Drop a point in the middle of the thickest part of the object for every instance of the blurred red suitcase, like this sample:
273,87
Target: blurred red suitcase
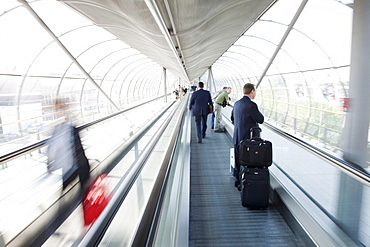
96,199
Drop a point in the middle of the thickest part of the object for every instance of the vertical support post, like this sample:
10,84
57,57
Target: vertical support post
165,84
209,82
356,127
180,89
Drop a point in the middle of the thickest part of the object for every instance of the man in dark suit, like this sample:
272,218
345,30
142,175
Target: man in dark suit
244,116
199,106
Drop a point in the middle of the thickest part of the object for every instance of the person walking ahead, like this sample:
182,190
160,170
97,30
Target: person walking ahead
199,106
221,101
244,116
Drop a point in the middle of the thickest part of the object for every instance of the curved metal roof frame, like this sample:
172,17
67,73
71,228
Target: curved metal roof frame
135,80
92,69
305,35
72,63
273,64
233,78
290,56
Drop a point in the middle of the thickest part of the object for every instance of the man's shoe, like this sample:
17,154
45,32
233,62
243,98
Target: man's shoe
212,127
236,183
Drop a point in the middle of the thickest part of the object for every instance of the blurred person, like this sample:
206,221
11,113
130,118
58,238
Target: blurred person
244,116
65,150
221,100
199,105
176,92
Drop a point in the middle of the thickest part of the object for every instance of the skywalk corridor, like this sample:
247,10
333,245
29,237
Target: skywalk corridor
117,66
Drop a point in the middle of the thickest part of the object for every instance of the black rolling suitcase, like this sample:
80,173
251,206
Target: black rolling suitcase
255,156
255,187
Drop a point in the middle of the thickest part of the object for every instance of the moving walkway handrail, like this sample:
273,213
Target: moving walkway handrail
106,164
353,170
32,147
100,226
146,232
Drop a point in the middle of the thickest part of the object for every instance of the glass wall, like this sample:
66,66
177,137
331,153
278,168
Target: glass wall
84,64
302,90
306,86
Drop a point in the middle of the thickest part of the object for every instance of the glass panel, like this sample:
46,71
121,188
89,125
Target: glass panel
282,11
329,25
7,5
51,61
51,12
21,40
307,82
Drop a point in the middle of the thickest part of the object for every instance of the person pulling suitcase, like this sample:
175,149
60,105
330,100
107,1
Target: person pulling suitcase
245,115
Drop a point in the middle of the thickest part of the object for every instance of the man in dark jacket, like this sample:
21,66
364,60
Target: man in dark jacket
199,105
244,116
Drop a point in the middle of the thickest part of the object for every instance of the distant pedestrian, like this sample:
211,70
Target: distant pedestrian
199,105
176,92
213,113
221,101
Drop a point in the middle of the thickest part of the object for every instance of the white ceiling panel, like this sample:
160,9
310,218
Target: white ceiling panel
183,36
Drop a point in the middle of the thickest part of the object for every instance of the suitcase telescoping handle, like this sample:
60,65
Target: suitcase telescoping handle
255,133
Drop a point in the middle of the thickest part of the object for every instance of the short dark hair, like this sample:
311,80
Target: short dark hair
248,88
200,84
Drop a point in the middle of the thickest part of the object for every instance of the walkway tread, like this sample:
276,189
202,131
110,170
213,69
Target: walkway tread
217,217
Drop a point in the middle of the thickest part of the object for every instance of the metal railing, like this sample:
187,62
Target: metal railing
310,180
98,166
146,225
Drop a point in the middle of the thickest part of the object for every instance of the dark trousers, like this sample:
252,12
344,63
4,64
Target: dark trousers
201,123
213,119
